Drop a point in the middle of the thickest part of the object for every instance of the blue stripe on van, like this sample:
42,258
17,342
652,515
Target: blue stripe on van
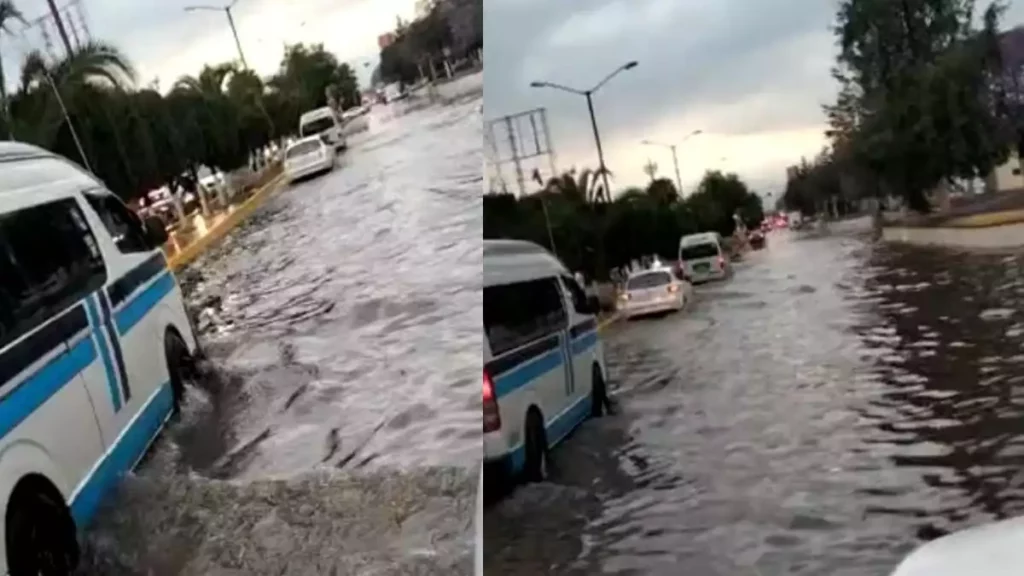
104,352
115,347
123,455
584,342
527,372
136,309
37,388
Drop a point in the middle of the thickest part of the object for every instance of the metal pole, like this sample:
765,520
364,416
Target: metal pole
238,43
679,181
67,118
60,26
600,153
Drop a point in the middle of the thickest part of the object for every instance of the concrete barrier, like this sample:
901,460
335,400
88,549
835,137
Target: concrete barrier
987,237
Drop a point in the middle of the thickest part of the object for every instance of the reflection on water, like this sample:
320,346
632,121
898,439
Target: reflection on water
832,407
338,432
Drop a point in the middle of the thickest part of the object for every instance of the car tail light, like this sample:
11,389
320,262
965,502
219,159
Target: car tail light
624,296
721,261
492,420
672,288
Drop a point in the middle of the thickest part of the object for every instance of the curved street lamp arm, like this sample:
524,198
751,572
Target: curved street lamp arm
557,87
204,7
614,73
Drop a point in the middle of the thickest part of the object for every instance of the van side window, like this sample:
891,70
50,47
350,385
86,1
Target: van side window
579,297
123,225
48,261
517,314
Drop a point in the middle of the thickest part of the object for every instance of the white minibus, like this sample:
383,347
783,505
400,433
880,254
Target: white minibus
544,368
323,122
95,351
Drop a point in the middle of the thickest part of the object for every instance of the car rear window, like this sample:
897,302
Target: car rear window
303,148
649,280
698,251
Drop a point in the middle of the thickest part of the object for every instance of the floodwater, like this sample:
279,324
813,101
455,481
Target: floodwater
831,407
338,428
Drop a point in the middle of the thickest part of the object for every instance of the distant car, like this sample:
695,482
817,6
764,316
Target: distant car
308,157
703,257
654,291
756,239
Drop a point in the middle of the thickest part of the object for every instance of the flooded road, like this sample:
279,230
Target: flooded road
830,408
338,431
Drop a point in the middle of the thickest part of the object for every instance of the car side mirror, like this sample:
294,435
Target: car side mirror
156,232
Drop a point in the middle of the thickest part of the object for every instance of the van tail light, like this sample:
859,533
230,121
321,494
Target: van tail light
721,261
672,288
492,420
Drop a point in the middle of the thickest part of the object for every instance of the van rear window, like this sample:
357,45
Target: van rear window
649,280
317,126
698,251
517,314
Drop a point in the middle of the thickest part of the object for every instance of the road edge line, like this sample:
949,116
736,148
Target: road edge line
189,253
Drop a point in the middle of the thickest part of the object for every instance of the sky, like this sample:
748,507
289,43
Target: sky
165,42
752,76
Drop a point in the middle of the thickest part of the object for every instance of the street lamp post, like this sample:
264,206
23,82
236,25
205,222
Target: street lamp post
675,157
590,108
231,22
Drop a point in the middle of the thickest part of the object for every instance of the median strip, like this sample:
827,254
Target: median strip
186,255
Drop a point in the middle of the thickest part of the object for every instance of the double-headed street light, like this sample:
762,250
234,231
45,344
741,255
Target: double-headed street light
590,107
675,159
231,21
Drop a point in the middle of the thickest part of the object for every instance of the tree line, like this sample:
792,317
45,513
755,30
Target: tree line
443,30
927,99
137,139
572,216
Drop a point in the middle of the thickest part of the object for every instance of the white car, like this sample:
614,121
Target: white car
307,157
703,258
95,350
654,291
990,550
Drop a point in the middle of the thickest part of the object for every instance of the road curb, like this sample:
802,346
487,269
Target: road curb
607,321
189,253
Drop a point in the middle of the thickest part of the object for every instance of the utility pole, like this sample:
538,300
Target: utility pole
60,26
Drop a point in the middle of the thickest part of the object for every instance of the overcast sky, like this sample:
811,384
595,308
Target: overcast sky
751,75
165,42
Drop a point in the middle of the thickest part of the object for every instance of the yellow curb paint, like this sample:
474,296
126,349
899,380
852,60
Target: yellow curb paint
189,253
608,321
987,219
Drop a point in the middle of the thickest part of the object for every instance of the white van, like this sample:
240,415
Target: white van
544,370
989,549
95,350
703,258
323,122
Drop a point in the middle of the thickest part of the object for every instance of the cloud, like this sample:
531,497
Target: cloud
164,41
751,75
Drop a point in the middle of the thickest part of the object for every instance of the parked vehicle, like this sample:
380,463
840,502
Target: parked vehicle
990,549
654,291
95,350
325,123
544,368
308,157
703,257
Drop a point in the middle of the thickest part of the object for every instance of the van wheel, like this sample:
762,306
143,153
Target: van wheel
41,536
598,394
180,366
536,468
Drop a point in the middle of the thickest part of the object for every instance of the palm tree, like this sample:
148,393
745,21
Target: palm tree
585,187
209,82
8,13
